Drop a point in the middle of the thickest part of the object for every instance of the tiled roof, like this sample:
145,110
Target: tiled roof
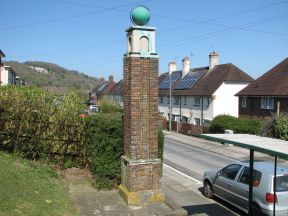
117,89
162,77
272,83
102,87
1,53
211,80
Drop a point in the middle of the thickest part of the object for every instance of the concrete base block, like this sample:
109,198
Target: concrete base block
140,197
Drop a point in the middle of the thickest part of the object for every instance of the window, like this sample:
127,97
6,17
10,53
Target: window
206,122
230,171
244,102
197,121
168,100
267,103
161,99
184,119
184,100
177,101
196,101
244,177
208,101
281,183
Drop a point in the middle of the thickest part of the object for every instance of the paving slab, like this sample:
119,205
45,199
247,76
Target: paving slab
92,202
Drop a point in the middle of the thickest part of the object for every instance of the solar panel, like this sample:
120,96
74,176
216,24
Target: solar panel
166,83
189,80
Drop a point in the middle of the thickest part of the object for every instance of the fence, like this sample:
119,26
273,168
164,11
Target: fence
36,139
185,128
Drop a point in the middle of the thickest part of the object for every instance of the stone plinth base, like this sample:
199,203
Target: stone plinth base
140,181
140,197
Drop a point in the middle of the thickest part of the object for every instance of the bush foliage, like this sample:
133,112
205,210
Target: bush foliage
281,127
38,124
104,146
107,107
223,122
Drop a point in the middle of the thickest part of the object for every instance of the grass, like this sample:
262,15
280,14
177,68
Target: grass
30,188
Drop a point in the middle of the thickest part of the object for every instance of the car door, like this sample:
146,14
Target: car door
225,180
241,187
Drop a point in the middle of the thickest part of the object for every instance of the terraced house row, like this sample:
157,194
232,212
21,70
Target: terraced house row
198,95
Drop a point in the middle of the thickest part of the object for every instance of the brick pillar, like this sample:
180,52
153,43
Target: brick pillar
141,167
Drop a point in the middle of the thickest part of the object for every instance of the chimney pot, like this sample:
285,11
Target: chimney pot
110,78
171,67
185,66
213,59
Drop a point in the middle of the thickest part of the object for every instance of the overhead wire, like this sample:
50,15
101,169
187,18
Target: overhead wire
225,31
68,17
201,37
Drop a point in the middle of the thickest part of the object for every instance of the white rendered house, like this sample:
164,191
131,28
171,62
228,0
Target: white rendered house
200,94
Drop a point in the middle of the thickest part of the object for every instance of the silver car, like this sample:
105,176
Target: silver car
231,184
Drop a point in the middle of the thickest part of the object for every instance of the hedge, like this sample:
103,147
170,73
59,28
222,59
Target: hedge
222,122
40,125
104,146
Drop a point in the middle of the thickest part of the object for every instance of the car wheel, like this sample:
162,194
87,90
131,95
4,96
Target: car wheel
208,190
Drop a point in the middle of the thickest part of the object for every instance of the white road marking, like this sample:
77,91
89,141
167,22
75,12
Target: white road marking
197,181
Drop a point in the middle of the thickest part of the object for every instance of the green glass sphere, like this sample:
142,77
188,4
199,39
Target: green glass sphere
140,15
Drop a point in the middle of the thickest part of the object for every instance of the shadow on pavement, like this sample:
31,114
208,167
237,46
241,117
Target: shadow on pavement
219,208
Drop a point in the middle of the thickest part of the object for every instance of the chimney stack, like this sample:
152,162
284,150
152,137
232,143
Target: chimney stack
110,78
171,67
185,66
213,59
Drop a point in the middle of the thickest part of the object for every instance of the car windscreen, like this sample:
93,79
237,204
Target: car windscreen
282,183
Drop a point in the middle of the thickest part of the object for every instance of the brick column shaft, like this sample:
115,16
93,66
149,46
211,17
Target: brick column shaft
141,167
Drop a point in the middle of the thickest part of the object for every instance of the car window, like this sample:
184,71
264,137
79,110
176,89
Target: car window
281,183
230,171
244,177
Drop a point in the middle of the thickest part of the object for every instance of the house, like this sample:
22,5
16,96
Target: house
200,94
266,95
2,55
116,93
101,90
7,74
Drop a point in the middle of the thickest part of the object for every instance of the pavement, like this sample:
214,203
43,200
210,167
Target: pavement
89,201
180,190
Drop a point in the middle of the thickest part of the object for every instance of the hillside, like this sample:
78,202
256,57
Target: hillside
53,77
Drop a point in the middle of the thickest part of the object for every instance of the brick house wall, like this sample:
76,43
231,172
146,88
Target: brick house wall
254,109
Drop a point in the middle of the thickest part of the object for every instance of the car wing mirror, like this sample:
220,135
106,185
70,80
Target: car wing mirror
219,173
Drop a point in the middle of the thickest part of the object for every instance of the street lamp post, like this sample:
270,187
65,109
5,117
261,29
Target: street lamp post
170,104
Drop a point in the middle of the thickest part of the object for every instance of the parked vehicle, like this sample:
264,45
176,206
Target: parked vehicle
93,108
231,184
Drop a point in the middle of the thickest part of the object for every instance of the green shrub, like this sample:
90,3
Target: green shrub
107,107
281,127
104,147
40,125
222,122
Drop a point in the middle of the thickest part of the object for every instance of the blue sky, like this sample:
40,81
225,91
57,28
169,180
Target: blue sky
89,35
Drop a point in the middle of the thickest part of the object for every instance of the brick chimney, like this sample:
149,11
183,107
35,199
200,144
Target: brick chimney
185,66
213,59
110,78
171,67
